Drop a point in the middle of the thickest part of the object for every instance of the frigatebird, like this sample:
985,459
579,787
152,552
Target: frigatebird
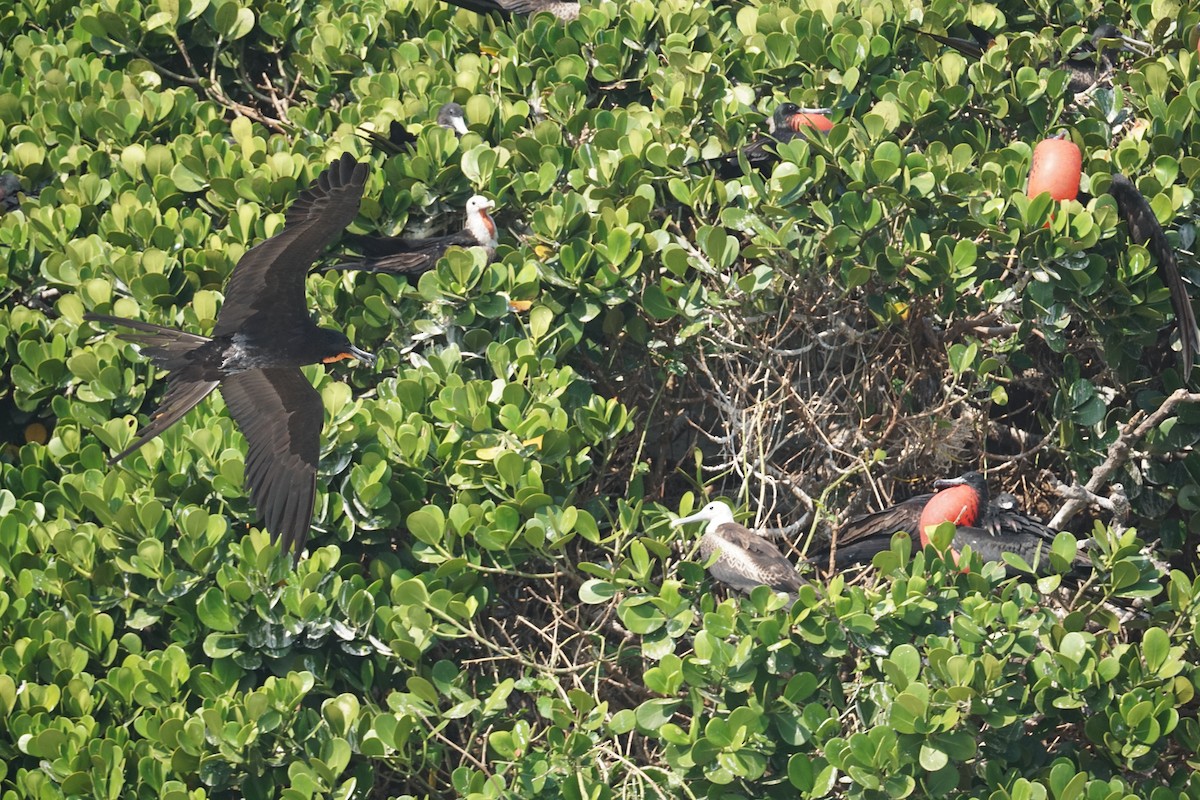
974,47
784,125
10,186
1090,62
1085,65
960,501
413,257
744,558
966,505
565,11
262,337
1145,229
450,116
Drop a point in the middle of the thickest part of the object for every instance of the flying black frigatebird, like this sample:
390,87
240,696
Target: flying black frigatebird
1145,230
744,559
262,337
966,504
450,116
565,11
784,125
413,257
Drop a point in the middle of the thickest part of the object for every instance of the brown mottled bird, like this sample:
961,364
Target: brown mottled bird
744,559
262,337
396,255
450,116
565,11
1145,230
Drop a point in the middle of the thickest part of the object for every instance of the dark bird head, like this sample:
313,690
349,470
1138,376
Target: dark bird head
781,120
333,346
453,117
1005,502
972,479
1106,35
715,514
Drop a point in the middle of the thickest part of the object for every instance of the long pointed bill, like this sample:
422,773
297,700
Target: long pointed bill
362,355
699,516
353,352
1135,45
459,125
946,483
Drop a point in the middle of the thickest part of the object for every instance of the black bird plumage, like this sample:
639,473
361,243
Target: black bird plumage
862,538
565,11
1085,65
760,153
974,47
411,258
262,337
450,116
1145,229
10,187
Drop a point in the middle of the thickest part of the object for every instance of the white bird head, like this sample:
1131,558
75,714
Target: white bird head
716,513
480,223
479,203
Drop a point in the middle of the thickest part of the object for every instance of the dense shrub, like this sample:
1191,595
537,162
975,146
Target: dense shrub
493,604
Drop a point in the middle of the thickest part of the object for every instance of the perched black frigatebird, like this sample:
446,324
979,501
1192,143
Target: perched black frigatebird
413,257
1085,65
788,121
450,116
974,47
10,187
963,501
262,337
565,11
1090,62
744,559
1145,229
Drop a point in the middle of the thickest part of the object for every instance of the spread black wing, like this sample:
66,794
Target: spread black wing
265,295
1145,230
280,414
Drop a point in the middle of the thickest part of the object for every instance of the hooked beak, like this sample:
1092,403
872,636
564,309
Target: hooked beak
488,204
353,352
697,517
459,125
1129,44
945,483
1135,45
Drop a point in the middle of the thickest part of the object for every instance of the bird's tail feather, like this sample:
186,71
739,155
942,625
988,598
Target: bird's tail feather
167,347
182,396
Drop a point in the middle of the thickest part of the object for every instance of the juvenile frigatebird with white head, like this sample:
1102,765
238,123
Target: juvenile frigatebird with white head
396,255
744,558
